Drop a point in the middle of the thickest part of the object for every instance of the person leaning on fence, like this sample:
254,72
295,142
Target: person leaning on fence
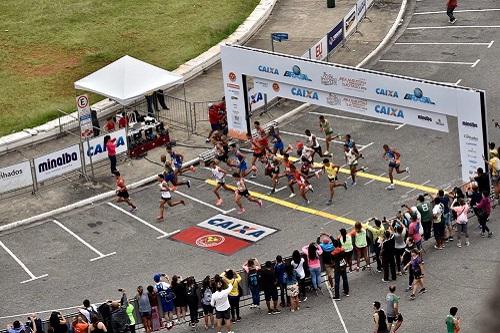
269,285
207,289
292,287
279,271
220,302
325,241
119,319
166,298
233,279
340,270
57,323
144,308
192,299
252,268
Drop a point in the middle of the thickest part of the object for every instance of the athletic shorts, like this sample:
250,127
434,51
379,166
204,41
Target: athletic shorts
165,196
207,309
169,177
223,314
271,294
243,166
178,165
438,230
353,165
417,275
258,154
216,127
123,194
318,150
391,319
329,133
221,182
393,165
146,314
332,180
243,193
278,145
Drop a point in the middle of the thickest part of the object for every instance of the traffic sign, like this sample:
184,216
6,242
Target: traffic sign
279,36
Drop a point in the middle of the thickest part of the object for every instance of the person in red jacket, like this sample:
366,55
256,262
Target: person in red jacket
214,119
450,7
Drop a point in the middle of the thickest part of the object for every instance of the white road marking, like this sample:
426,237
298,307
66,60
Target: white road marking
488,45
414,189
337,308
365,146
405,177
400,127
163,233
456,27
78,238
458,82
472,64
320,139
372,180
204,203
460,11
23,266
254,182
354,118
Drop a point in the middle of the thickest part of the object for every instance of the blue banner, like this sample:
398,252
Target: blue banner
335,36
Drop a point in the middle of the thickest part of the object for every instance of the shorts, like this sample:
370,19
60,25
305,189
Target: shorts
353,165
258,154
216,127
165,196
146,314
222,158
329,133
243,193
223,314
329,268
221,182
207,309
317,150
391,319
178,165
271,294
438,230
169,177
393,165
243,166
332,180
123,194
292,290
278,145
462,228
417,275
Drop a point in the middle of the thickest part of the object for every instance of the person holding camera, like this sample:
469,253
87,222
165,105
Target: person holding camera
233,279
119,317
221,304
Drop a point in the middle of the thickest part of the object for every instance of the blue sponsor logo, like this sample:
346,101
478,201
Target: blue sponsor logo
255,98
101,148
418,96
306,93
389,111
236,227
295,73
387,92
268,69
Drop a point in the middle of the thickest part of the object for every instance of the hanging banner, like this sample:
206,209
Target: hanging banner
335,36
350,22
57,163
83,106
360,10
97,150
15,176
318,51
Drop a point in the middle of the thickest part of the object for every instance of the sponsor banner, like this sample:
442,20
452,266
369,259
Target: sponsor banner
256,94
97,150
238,228
15,176
360,10
361,106
319,50
350,22
209,240
83,106
335,36
57,163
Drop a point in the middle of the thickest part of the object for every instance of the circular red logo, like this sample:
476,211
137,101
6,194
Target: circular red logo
210,240
276,87
232,76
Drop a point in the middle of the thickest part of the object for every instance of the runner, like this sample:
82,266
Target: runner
242,191
351,158
417,267
122,192
349,142
169,173
302,183
450,7
331,171
240,162
393,156
313,143
262,136
273,171
288,172
177,161
219,175
326,128
222,149
278,144
259,152
166,197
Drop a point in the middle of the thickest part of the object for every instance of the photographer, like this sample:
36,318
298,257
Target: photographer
119,317
57,323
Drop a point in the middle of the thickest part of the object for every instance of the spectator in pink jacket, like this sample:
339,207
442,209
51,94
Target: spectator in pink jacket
313,251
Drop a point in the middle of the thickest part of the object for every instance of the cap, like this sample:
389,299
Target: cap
157,277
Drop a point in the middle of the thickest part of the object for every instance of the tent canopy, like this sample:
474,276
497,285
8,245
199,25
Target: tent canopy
128,79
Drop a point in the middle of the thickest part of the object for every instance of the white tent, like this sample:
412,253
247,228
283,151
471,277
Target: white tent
128,79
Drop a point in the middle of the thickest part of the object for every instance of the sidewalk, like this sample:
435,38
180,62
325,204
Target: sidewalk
305,22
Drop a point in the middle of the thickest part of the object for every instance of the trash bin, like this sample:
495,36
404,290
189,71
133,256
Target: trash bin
330,3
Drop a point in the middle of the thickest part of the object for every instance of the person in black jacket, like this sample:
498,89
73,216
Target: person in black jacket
119,319
388,260
192,299
340,264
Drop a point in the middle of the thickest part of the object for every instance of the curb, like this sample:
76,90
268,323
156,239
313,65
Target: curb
150,179
188,70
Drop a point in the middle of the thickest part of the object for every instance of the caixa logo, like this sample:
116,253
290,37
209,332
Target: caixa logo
418,96
387,92
101,148
236,227
469,124
268,69
296,73
255,98
311,94
389,111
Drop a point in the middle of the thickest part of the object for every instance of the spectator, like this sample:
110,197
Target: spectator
388,250
17,327
392,310
213,118
155,313
340,264
361,244
460,213
166,298
34,324
399,245
406,258
119,319
415,230
131,317
312,252
97,326
378,236
418,273
298,265
279,270
111,149
233,279
79,324
483,211
252,267
144,309
220,302
180,300
438,224
110,125
207,290
483,181
445,201
95,123
58,323
88,310
425,210
292,287
123,120
325,241
269,285
346,242
452,321
379,319
192,300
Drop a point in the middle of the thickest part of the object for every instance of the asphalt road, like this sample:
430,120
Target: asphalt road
454,274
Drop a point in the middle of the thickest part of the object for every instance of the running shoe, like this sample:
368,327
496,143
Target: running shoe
345,185
467,243
490,234
271,192
207,140
291,195
354,184
407,169
453,21
326,152
450,239
364,168
259,203
310,187
269,312
390,187
412,297
329,202
308,202
253,175
219,202
459,244
386,281
133,210
241,211
422,291
189,184
337,298
483,235
346,294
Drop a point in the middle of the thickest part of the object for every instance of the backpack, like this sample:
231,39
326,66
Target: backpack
165,294
207,296
253,279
